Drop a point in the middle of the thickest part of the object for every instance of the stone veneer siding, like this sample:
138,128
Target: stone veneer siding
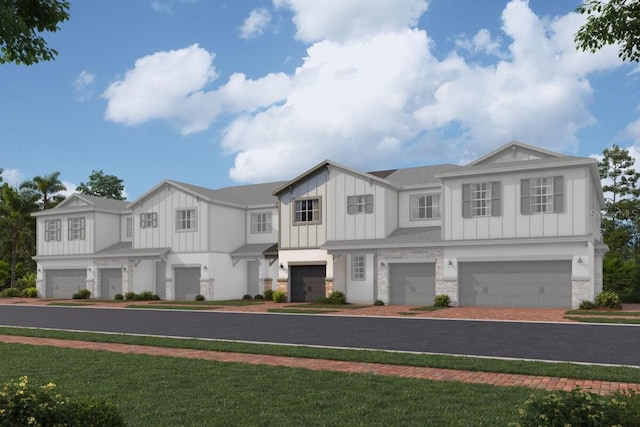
409,255
580,292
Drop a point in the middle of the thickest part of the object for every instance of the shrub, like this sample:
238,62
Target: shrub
580,408
280,296
119,297
247,296
82,294
608,299
129,296
30,292
442,300
632,297
259,296
323,300
199,297
24,404
337,297
268,294
378,302
10,292
26,281
148,296
587,305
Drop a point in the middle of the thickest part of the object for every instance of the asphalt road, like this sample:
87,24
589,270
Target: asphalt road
609,344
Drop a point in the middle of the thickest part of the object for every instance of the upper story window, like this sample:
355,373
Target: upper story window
481,199
360,204
76,228
424,206
261,222
149,220
129,231
541,195
52,230
358,267
186,220
307,211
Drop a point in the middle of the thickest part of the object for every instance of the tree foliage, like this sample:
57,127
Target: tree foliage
48,188
101,185
22,22
611,22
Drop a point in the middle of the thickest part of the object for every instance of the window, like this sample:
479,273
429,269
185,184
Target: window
149,220
186,220
129,227
360,204
481,199
541,195
76,228
358,267
425,206
307,211
52,230
261,222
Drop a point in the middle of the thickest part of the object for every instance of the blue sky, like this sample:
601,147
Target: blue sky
219,93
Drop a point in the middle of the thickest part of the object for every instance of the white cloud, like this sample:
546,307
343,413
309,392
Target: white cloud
82,85
70,188
370,91
13,177
255,23
162,7
341,20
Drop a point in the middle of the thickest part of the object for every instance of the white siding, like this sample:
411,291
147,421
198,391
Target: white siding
573,221
262,237
404,208
65,246
107,230
123,228
392,211
227,232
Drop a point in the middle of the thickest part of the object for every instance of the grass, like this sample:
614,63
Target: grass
233,303
604,313
332,306
300,310
623,374
71,304
165,391
172,307
428,308
619,320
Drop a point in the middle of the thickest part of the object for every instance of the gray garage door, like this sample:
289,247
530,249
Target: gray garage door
515,284
110,282
187,283
64,283
412,283
308,282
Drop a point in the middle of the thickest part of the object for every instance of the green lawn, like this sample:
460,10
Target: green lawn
163,391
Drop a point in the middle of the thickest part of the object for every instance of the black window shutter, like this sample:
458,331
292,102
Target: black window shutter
369,203
525,197
466,201
351,205
558,194
495,199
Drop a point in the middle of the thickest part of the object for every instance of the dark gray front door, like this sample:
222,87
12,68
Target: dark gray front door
412,283
187,281
307,282
253,278
110,282
515,284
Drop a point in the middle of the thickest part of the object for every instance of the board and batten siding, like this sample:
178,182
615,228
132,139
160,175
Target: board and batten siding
511,223
166,201
64,246
309,235
391,200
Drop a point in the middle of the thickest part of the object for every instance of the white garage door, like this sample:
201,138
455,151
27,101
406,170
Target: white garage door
187,283
515,284
110,282
64,283
412,283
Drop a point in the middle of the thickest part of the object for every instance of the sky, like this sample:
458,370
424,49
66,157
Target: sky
218,93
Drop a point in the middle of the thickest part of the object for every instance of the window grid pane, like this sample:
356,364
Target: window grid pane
307,210
425,207
261,222
541,191
52,230
186,219
358,267
149,220
76,228
481,199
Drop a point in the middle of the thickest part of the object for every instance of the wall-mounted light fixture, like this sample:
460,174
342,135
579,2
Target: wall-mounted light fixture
382,264
450,262
579,260
204,267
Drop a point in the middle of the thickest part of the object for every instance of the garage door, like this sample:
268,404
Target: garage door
110,282
187,281
64,283
308,283
515,284
412,283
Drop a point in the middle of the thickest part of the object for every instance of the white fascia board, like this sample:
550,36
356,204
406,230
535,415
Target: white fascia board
458,173
74,210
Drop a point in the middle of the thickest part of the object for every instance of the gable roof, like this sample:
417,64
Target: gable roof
419,176
86,202
515,147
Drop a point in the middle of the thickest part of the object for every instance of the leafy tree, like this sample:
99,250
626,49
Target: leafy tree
48,188
611,22
22,21
109,186
17,224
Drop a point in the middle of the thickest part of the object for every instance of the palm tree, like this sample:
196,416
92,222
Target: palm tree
16,222
47,187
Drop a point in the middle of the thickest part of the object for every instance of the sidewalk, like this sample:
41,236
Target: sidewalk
433,374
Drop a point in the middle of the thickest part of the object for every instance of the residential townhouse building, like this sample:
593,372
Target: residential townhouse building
519,227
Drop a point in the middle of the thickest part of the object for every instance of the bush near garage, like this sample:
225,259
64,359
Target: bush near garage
608,299
336,297
280,296
442,300
82,294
